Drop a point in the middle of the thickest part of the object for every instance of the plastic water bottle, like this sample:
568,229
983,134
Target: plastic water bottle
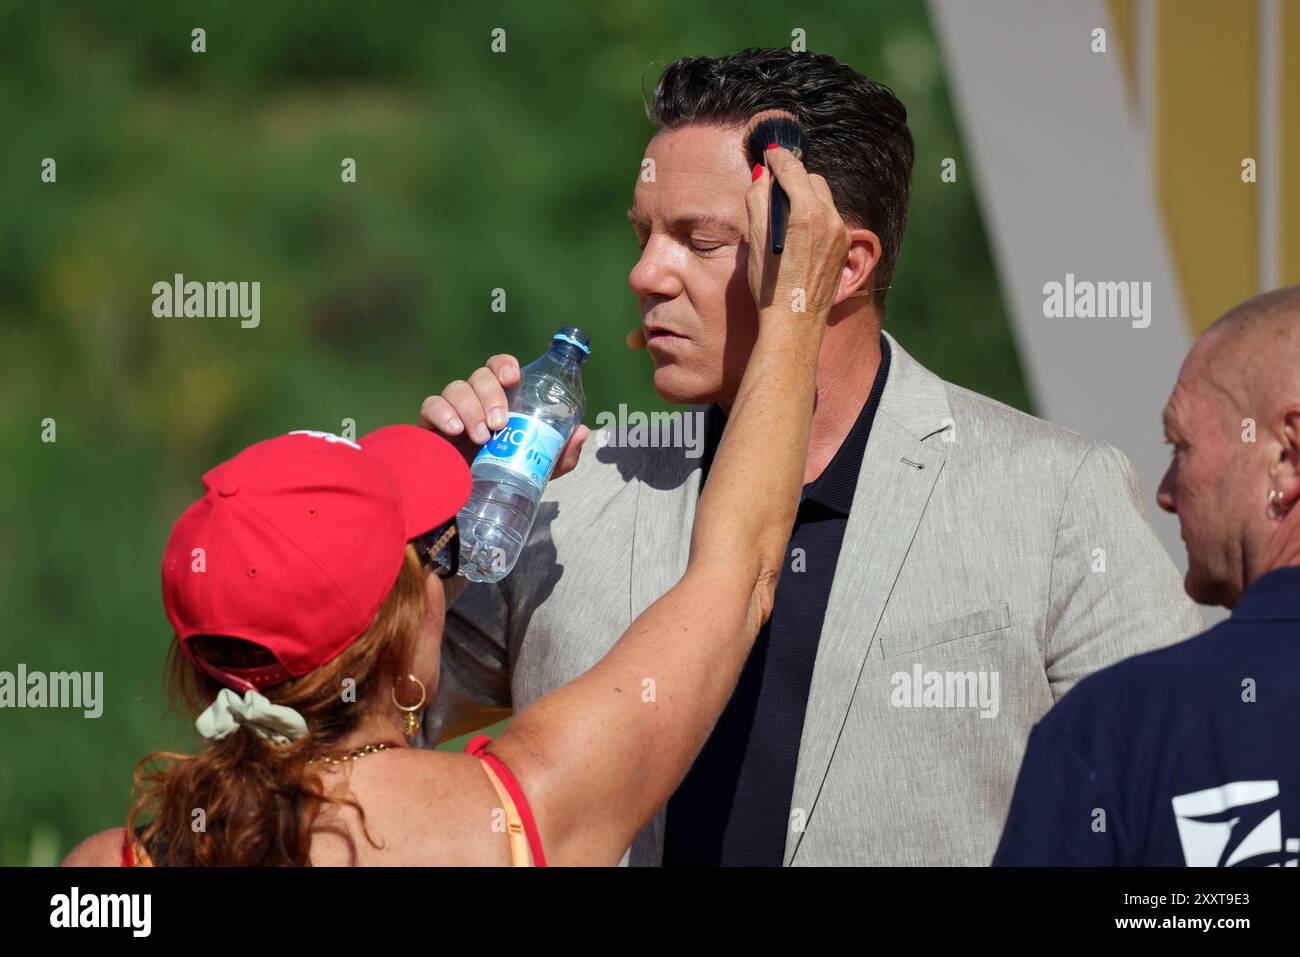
511,470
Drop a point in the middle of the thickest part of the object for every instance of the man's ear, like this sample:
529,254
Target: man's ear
860,267
451,589
1285,471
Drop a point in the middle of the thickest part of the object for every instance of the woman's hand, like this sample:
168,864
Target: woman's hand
467,412
804,281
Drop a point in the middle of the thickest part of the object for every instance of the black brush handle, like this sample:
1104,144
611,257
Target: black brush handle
780,216
781,130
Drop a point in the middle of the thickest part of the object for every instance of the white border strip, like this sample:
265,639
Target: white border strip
1147,52
1270,159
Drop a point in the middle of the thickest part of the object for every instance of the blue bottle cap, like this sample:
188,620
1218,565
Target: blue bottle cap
564,337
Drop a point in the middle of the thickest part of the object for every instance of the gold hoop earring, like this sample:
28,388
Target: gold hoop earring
410,723
1275,501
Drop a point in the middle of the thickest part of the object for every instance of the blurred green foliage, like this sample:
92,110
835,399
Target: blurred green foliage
476,170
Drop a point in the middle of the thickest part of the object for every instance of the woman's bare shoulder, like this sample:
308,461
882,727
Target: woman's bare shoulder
432,807
99,850
442,784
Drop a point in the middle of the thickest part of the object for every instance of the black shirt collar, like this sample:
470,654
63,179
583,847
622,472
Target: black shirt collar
834,488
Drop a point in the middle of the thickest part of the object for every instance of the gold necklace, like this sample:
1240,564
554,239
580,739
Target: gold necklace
352,755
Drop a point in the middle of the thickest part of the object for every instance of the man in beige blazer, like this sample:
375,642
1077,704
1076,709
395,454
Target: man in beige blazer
959,565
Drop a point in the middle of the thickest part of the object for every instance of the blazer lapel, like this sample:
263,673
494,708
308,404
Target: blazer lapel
898,474
667,494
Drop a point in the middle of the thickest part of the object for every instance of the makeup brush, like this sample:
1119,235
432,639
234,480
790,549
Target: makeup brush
781,128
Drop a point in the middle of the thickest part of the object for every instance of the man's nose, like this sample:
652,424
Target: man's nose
651,275
1165,494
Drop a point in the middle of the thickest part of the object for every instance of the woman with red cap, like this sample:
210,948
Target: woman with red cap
307,590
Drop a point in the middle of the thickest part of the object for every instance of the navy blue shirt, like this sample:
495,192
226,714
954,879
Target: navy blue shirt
734,806
1189,755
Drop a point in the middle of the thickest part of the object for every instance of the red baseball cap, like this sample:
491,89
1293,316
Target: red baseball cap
298,540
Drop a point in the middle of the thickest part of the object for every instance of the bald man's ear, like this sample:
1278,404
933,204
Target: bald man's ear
1285,471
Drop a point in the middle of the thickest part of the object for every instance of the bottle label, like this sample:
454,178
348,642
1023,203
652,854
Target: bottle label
527,446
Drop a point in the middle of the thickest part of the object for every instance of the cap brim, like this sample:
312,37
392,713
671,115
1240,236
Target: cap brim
431,474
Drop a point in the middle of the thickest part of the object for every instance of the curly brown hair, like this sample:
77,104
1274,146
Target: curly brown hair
260,802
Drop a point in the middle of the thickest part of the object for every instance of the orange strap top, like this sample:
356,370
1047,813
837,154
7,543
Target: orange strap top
521,827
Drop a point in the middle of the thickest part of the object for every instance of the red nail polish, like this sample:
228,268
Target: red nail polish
773,146
758,171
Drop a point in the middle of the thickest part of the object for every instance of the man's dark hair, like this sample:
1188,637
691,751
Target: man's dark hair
857,128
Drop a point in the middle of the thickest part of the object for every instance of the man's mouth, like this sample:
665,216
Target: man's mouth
655,332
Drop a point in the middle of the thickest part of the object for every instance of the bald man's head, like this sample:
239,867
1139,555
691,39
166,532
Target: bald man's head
1234,423
1257,347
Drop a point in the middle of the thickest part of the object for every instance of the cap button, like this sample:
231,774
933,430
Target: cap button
228,488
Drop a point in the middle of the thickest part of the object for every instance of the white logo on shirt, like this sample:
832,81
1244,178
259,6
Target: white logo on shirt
1238,823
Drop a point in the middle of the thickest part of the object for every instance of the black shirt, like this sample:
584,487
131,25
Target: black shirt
1186,756
734,806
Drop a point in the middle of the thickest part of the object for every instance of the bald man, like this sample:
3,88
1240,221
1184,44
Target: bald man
1191,754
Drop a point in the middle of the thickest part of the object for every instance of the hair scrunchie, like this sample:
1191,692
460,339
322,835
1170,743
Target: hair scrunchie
228,712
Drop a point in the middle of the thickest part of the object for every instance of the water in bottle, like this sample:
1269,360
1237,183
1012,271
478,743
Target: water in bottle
511,470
